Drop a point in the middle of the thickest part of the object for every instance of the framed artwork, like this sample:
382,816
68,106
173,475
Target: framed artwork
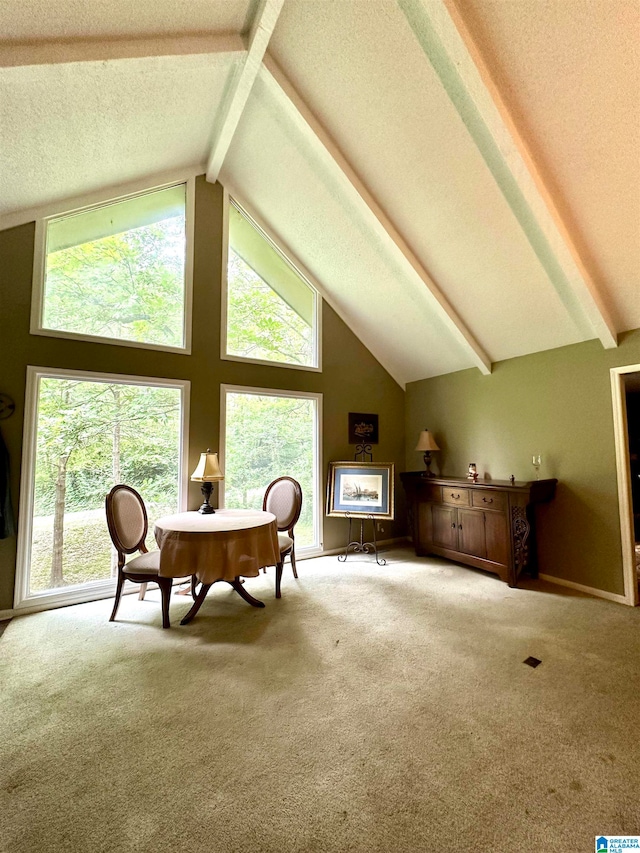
363,429
360,489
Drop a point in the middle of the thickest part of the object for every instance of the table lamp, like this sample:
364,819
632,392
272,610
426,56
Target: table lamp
207,472
427,443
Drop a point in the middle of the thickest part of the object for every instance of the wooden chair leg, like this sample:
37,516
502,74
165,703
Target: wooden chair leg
279,568
165,585
194,584
119,585
293,563
143,591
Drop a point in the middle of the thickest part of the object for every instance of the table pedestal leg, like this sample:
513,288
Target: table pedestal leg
242,592
204,589
202,594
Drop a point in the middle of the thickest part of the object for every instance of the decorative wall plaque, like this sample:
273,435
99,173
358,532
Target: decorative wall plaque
363,429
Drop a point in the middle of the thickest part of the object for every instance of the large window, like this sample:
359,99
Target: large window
271,434
84,435
116,272
271,309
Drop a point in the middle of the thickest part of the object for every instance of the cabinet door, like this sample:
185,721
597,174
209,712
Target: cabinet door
471,534
445,531
497,537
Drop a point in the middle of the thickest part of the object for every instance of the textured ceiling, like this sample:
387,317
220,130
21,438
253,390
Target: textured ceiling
351,63
27,20
570,74
94,124
313,213
567,73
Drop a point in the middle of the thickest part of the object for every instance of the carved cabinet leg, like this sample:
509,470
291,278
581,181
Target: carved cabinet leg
521,529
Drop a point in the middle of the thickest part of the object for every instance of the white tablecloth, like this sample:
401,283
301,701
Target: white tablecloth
218,546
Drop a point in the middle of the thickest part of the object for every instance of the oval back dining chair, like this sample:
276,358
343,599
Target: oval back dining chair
283,498
128,524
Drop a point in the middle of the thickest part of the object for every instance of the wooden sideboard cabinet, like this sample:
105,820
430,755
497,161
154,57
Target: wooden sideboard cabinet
486,524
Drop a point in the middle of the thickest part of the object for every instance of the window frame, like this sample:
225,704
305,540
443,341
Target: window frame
39,268
318,521
287,255
24,600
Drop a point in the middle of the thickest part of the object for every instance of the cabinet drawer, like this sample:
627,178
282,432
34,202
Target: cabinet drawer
489,500
456,497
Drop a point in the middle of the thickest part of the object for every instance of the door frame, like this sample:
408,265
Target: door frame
621,440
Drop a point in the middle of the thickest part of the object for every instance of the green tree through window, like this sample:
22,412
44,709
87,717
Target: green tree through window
269,437
118,271
128,286
90,436
271,308
261,325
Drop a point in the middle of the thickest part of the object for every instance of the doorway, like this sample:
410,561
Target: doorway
625,390
632,387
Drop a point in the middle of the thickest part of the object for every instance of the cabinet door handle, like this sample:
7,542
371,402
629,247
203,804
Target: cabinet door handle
487,500
459,527
453,524
455,497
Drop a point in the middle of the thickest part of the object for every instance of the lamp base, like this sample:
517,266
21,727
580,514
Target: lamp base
206,489
427,462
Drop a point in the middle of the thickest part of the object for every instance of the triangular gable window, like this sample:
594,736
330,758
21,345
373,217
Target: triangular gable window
271,311
116,272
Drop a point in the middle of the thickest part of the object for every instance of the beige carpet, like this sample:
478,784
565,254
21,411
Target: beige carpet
371,709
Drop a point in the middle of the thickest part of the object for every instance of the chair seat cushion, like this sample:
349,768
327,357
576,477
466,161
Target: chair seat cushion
146,563
285,543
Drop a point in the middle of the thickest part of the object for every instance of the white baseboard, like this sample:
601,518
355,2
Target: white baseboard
26,608
589,590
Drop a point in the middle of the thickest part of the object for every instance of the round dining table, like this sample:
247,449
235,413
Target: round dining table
221,546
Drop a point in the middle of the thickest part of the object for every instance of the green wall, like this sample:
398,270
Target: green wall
556,403
351,380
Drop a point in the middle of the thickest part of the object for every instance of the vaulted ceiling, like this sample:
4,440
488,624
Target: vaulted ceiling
461,180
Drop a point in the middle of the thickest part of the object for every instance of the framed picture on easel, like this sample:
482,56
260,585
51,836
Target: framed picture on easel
360,490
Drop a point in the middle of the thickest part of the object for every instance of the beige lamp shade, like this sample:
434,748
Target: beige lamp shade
426,441
207,469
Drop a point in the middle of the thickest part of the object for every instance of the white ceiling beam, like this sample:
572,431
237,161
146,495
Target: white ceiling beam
60,51
261,31
448,46
309,123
